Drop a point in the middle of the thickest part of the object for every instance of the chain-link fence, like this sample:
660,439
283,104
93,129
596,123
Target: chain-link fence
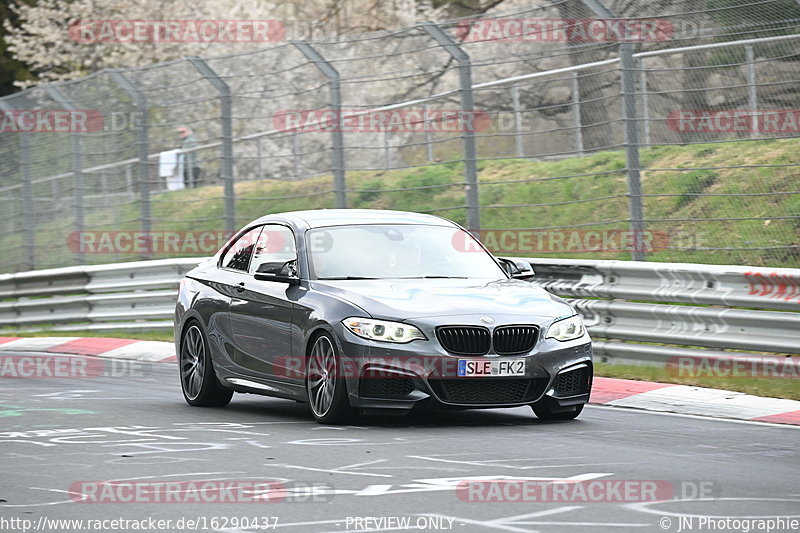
566,128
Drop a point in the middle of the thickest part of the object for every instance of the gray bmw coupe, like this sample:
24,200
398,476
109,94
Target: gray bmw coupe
374,312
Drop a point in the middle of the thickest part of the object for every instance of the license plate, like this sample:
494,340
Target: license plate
494,368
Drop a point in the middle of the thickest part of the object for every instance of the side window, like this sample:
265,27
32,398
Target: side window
275,246
238,256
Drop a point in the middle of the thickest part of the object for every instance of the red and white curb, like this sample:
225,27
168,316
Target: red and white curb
646,395
148,351
690,400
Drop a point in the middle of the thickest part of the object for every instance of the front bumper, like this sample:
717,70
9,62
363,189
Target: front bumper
404,376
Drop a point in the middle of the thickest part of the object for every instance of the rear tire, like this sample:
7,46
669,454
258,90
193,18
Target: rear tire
546,411
325,384
199,382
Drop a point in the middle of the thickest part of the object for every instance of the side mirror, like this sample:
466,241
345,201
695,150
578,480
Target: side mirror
284,272
516,268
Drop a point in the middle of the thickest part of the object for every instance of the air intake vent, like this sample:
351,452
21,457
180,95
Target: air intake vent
573,382
478,391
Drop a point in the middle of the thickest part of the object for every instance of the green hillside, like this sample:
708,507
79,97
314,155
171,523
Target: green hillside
597,182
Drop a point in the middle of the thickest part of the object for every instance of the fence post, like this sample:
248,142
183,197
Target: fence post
386,150
645,102
28,220
77,166
295,155
142,149
632,151
468,108
226,118
337,138
752,95
576,111
520,152
429,133
628,81
259,170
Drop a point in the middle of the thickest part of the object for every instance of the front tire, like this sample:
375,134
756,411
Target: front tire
325,386
199,382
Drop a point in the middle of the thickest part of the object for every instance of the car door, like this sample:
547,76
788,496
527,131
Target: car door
261,311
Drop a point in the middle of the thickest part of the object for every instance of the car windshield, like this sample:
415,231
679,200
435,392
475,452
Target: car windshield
397,251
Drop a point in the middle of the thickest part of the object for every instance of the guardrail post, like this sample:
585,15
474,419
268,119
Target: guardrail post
628,81
226,118
337,139
468,108
28,220
77,165
142,149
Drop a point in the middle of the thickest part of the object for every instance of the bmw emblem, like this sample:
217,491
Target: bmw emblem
487,320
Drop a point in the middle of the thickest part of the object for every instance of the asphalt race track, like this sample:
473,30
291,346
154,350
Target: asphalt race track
61,436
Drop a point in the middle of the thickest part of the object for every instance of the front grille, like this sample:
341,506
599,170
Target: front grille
572,382
373,385
464,340
478,391
510,340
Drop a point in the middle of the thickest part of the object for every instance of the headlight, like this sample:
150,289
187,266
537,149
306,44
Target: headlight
566,329
382,330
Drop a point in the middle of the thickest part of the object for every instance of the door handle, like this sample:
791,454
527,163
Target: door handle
239,287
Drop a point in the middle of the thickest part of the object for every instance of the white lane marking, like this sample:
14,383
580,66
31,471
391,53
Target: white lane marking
496,463
339,470
644,507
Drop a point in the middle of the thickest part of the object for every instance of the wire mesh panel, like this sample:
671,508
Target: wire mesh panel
554,128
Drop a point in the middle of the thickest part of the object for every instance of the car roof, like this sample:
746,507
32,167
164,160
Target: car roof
317,218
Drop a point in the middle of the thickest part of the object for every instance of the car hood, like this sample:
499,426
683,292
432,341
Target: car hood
401,299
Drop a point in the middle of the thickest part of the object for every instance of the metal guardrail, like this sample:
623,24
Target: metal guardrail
124,295
653,313
636,312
